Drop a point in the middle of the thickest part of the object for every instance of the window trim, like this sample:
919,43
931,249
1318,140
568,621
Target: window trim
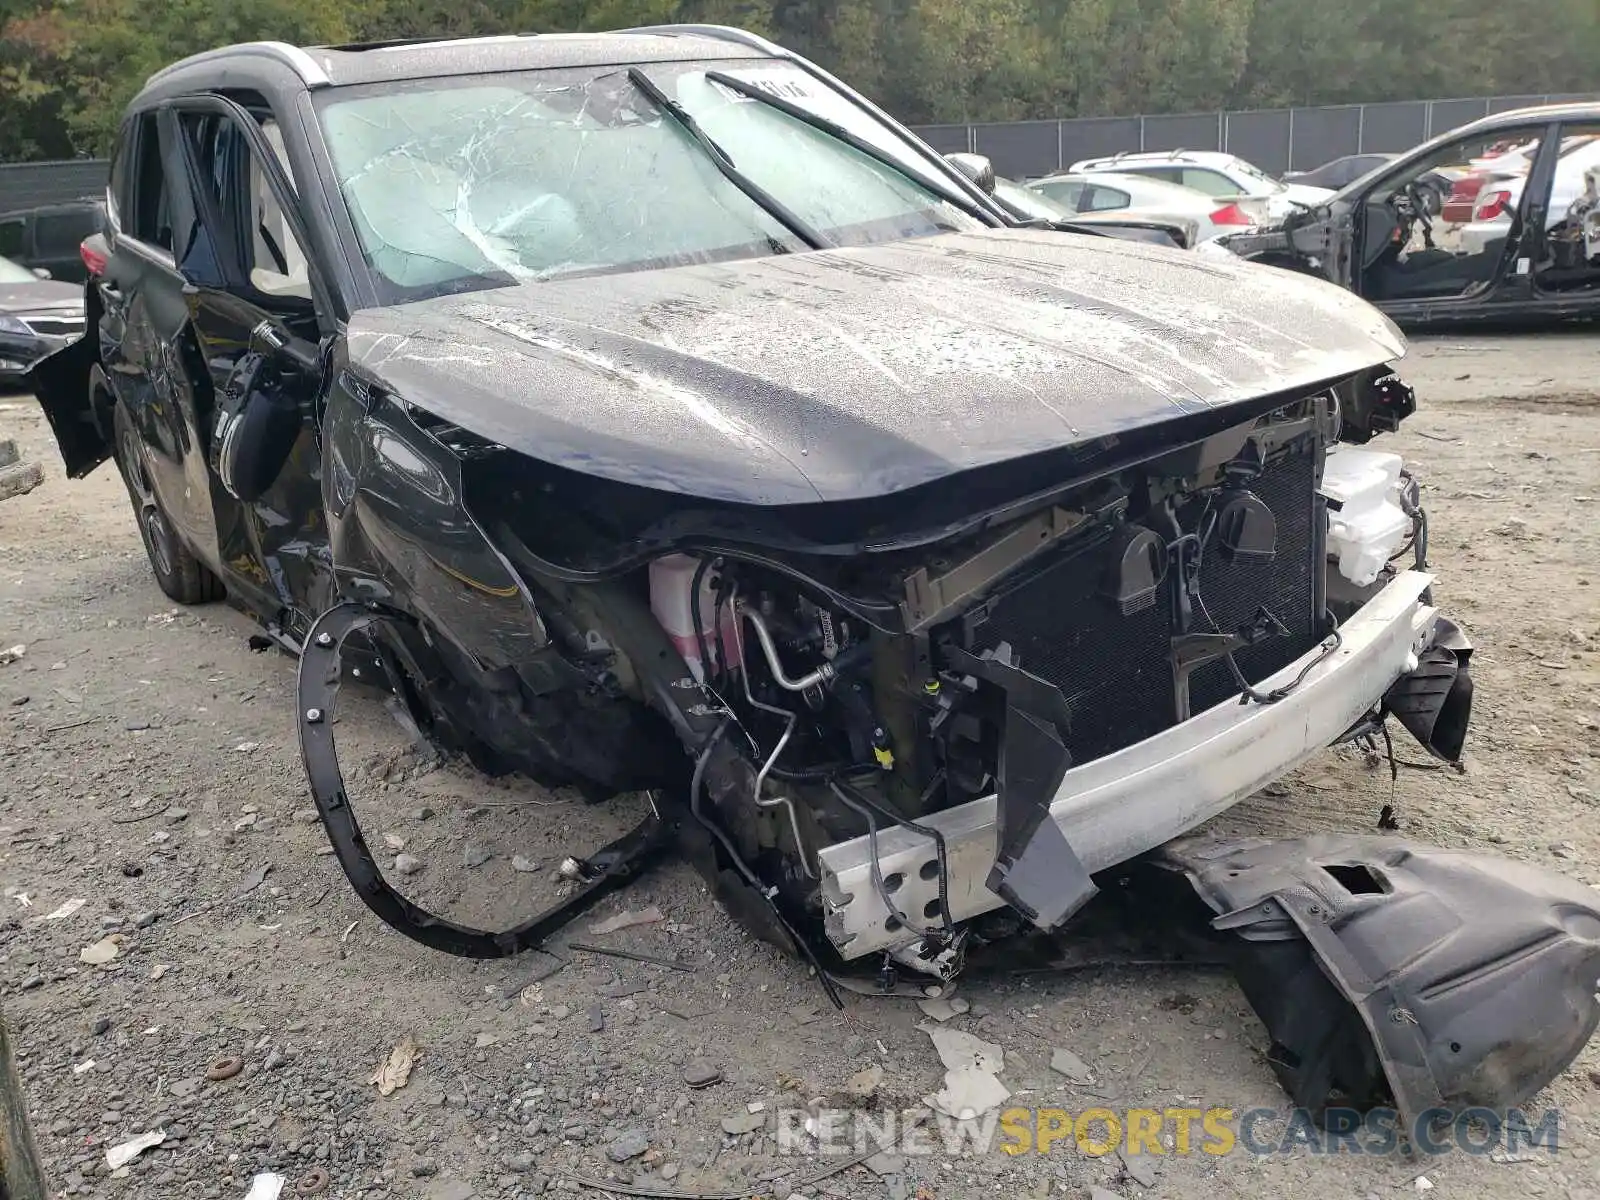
323,301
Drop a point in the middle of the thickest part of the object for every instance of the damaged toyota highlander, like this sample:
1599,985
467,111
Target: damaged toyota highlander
657,415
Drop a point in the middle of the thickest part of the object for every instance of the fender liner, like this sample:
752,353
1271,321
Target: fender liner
602,873
1382,969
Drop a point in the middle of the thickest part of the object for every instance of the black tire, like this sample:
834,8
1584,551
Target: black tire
180,574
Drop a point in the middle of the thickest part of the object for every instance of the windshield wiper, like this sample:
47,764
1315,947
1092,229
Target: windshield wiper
770,204
848,136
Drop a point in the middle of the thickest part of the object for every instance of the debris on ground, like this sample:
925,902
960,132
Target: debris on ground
393,1071
941,1009
97,954
702,1074
265,1186
123,1153
407,864
253,880
743,1122
863,1085
1065,1062
630,1144
1139,1168
11,654
627,919
225,1067
65,911
971,1073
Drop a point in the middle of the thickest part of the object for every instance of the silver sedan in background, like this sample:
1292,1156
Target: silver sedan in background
1110,191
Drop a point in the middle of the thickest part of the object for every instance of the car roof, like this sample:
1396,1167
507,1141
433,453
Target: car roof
1133,182
376,62
1581,110
1209,158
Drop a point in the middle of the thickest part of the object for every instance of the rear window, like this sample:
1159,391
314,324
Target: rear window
62,233
1100,198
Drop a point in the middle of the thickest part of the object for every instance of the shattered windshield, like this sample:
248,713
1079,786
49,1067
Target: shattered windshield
480,181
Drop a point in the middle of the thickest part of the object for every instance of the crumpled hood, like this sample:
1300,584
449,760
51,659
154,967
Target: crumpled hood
847,374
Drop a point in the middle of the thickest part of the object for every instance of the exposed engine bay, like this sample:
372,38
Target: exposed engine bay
796,698
866,754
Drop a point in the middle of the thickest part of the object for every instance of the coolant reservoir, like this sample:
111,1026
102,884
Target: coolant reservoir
671,578
1370,526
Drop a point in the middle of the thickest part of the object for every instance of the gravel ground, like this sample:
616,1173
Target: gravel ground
151,781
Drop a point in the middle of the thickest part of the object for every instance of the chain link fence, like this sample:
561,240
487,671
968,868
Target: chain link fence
1282,139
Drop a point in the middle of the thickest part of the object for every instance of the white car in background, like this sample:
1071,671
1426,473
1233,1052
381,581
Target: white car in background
1114,192
1500,197
1213,172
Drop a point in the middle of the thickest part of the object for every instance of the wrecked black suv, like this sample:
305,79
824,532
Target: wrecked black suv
655,414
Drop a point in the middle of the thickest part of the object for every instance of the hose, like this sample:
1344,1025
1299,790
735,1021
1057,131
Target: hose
927,831
766,892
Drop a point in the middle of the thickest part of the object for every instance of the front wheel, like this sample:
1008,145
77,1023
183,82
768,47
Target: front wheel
181,575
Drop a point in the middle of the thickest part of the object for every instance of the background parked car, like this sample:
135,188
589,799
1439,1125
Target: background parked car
37,317
1113,192
49,236
1212,172
1027,204
1339,172
1500,195
1516,238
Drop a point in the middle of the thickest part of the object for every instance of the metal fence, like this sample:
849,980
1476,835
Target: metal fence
25,185
1281,139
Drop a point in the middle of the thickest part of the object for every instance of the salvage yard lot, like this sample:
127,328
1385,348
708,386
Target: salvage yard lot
148,766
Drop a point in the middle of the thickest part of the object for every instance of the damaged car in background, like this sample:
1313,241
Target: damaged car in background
653,413
1498,221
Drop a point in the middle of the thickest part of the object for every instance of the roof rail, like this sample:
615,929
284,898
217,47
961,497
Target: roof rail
387,43
725,33
293,57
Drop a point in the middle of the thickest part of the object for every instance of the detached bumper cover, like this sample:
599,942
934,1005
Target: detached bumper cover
1127,803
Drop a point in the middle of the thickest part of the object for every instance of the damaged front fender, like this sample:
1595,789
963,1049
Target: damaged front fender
320,673
1390,972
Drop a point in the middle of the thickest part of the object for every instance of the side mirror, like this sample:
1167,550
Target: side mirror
41,273
975,167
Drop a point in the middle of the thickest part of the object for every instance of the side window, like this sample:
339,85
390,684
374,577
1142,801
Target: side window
1165,174
13,237
1068,193
1212,183
58,234
243,199
151,218
1100,198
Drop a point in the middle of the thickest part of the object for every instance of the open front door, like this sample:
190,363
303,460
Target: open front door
60,382
1454,225
257,308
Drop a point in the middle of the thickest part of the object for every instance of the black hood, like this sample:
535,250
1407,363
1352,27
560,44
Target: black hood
848,374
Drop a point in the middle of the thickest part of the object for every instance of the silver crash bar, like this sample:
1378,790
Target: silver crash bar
1142,796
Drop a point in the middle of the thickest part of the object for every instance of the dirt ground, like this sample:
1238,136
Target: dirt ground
148,768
